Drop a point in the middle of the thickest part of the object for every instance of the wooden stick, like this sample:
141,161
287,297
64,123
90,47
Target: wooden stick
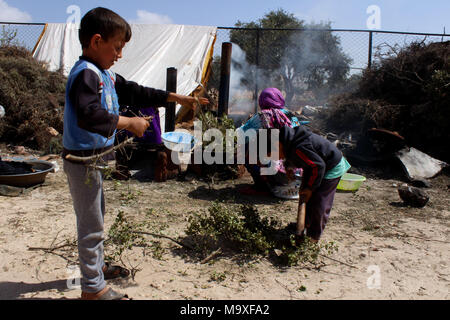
212,256
301,214
51,249
421,238
98,156
165,237
349,265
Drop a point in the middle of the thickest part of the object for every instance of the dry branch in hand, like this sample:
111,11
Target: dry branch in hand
98,156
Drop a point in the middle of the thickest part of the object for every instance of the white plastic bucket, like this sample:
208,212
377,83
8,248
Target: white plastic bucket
179,141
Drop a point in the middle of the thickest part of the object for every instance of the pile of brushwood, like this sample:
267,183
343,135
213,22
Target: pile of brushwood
408,91
33,98
243,232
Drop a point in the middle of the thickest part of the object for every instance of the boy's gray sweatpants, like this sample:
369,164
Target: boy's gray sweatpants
86,188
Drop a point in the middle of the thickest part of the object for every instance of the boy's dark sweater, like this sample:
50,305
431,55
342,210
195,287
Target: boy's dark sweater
92,117
307,150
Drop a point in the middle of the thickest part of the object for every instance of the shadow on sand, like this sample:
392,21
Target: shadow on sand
15,290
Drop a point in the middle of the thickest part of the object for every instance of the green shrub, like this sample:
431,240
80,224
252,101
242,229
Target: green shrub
243,231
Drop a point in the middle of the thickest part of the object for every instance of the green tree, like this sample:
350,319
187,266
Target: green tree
300,57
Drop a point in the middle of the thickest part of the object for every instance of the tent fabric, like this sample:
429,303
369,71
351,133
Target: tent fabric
151,50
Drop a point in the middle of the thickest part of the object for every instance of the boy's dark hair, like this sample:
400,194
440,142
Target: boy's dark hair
104,22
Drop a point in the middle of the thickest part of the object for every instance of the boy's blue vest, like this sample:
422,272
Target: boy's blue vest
74,137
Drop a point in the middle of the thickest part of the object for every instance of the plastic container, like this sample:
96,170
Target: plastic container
179,141
350,182
290,191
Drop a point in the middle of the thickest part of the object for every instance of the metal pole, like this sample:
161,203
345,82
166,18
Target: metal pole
369,65
225,67
258,31
171,86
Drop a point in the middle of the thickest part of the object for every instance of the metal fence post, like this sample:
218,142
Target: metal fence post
171,86
224,89
369,64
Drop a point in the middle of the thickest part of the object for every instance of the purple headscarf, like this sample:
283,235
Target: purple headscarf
271,98
271,101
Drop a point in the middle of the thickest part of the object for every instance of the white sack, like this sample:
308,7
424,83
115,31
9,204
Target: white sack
419,165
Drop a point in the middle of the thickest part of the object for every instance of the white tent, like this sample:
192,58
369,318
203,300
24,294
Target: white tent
151,50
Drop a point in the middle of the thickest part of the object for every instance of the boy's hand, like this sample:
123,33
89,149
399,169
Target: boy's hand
138,126
305,194
135,125
187,101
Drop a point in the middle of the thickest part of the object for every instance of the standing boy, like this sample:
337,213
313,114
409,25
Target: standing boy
323,166
94,95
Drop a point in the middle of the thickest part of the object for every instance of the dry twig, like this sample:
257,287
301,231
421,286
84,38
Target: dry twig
165,237
335,260
98,156
212,256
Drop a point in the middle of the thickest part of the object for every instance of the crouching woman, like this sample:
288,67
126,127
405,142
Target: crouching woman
323,166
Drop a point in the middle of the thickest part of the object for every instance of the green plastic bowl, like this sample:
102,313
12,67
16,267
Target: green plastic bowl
350,182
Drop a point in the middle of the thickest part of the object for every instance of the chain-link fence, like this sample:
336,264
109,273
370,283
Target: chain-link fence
23,34
361,46
386,42
301,58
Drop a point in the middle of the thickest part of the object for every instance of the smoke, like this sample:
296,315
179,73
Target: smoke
244,78
302,53
310,64
313,66
241,97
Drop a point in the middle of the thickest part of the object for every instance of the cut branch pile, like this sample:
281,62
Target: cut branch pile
33,98
407,91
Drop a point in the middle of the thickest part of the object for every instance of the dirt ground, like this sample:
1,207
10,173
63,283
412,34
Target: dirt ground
386,250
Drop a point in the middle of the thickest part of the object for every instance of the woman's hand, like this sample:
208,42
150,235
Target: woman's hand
290,174
305,194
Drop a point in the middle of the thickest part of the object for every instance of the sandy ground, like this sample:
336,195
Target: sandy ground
385,250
